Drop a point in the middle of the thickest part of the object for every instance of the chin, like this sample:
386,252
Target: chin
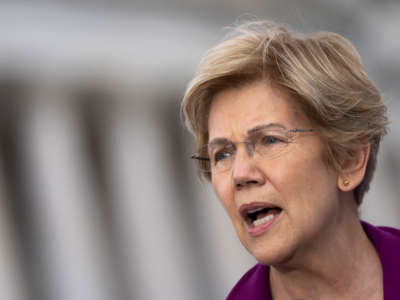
269,257
270,254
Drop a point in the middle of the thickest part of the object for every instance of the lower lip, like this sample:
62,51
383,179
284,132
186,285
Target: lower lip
255,231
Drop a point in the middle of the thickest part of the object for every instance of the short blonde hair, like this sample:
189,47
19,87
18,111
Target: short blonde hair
322,71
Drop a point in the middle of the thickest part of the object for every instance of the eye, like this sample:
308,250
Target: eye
222,154
267,140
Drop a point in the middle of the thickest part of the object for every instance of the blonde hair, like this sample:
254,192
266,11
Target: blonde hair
322,71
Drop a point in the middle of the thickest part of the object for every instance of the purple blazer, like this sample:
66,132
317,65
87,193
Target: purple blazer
254,284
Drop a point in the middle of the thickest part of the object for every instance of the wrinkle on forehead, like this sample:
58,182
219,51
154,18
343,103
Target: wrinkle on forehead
235,111
250,132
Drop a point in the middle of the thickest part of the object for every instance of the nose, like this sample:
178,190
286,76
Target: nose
245,170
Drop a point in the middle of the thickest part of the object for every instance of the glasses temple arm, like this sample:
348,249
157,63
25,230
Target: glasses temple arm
196,156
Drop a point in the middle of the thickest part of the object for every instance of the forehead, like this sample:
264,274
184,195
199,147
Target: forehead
235,111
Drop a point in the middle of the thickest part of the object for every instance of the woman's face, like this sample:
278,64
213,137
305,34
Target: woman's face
280,206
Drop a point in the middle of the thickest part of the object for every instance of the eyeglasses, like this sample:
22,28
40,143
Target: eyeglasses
261,143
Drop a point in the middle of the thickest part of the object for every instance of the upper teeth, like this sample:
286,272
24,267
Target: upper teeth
254,210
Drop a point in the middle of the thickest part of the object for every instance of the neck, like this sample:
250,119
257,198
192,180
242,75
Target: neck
341,264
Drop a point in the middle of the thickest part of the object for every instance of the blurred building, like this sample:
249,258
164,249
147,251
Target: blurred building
98,197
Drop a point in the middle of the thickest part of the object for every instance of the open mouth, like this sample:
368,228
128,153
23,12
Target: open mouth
258,214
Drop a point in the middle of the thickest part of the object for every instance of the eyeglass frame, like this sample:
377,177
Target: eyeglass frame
198,157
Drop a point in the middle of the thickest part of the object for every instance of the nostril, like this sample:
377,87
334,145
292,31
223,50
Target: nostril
252,182
238,185
242,183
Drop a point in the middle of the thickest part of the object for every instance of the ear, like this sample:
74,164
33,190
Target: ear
353,169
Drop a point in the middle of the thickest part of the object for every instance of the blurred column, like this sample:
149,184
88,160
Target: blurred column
70,247
155,245
11,278
15,281
228,259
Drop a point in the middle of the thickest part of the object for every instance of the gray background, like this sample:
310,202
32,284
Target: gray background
98,197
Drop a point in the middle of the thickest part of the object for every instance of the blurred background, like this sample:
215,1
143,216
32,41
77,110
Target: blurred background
98,197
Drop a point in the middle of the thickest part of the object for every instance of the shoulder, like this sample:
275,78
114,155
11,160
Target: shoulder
391,233
382,237
387,244
254,285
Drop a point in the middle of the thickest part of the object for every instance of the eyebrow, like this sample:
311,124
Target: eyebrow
264,126
219,140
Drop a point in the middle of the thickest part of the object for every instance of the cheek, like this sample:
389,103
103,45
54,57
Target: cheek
304,179
310,195
224,193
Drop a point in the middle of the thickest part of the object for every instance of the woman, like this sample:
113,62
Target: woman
288,129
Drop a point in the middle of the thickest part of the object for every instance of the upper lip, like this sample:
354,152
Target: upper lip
245,208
